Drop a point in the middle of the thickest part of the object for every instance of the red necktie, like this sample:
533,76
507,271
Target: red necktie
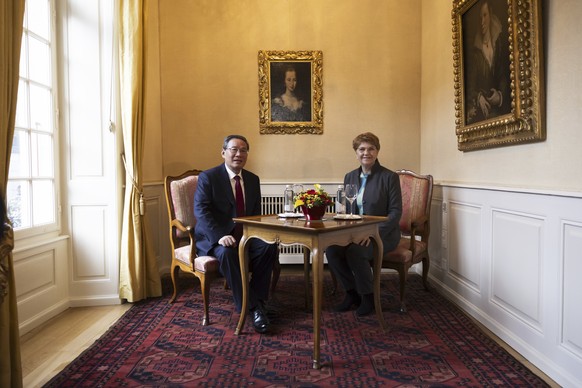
240,199
240,207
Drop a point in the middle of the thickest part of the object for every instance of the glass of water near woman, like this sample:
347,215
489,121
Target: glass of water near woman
351,195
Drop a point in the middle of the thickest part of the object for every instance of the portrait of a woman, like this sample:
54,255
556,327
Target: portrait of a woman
290,101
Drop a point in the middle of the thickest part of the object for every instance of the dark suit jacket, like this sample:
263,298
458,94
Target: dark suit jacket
382,197
215,206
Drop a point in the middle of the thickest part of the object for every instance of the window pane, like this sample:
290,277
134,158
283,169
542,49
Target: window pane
40,109
43,202
39,17
18,198
39,61
42,155
24,56
22,105
19,158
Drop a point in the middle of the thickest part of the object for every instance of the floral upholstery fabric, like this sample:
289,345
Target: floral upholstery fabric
182,192
414,200
201,263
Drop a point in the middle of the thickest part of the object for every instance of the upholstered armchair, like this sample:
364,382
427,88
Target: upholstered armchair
180,201
414,227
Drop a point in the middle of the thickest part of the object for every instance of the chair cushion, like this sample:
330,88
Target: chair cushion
206,264
201,263
420,248
182,192
402,253
399,255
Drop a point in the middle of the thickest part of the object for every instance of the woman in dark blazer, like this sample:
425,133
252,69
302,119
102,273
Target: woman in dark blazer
379,195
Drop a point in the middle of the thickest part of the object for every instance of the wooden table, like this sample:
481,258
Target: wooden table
315,236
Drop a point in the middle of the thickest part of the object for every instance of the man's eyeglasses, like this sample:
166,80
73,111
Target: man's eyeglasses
234,150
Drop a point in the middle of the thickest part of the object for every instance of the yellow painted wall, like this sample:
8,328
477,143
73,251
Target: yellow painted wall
203,83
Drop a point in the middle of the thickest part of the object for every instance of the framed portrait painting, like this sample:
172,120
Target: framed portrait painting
498,73
290,92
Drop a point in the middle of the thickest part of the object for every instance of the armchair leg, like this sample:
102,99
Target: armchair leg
205,290
425,267
403,274
173,273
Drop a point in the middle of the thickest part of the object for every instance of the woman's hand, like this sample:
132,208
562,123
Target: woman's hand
364,242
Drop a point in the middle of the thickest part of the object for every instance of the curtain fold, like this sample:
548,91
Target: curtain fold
139,275
11,20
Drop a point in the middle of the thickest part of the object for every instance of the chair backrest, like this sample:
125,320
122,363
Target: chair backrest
180,202
416,198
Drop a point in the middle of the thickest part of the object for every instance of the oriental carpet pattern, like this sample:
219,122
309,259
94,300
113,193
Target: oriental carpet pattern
157,344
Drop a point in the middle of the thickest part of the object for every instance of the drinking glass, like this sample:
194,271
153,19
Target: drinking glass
351,195
297,188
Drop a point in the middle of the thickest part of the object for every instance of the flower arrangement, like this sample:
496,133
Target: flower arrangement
312,198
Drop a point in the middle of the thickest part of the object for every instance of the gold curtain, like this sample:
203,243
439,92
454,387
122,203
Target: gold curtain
139,275
11,18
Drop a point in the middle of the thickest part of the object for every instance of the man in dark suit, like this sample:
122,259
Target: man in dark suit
217,235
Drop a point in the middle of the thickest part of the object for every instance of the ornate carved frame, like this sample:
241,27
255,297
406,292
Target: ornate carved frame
266,124
526,121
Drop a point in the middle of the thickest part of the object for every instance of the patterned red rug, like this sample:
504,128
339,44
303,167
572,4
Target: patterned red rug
156,344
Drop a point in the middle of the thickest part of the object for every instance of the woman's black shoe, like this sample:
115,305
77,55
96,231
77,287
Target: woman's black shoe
352,298
367,305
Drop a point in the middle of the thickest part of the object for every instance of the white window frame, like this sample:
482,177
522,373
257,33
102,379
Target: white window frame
50,229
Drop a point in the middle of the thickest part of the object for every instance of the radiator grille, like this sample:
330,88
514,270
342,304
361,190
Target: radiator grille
273,204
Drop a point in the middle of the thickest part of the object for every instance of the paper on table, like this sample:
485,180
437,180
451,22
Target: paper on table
290,215
347,217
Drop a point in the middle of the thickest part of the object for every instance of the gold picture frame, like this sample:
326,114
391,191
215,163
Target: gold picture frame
501,104
290,92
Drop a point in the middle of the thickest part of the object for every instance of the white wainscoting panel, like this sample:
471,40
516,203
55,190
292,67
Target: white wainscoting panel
517,251
464,243
41,278
512,259
571,336
89,245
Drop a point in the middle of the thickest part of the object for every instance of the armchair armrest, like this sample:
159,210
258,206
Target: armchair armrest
180,226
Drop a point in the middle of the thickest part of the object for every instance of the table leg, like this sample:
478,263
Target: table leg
378,253
317,266
306,269
244,272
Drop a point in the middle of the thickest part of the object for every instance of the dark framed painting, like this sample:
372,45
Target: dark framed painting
498,73
290,92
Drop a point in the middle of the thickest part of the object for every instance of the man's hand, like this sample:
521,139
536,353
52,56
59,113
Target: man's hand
227,241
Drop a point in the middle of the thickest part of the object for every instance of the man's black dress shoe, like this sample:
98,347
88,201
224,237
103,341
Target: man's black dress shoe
260,320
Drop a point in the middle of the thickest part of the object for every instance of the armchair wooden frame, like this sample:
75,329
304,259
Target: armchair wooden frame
184,256
414,228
